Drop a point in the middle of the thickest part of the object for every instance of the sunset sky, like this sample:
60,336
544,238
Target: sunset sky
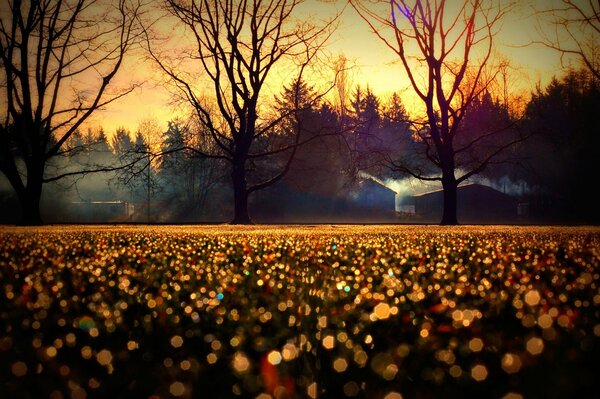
375,65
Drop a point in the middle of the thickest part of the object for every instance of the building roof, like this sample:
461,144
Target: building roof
468,186
379,183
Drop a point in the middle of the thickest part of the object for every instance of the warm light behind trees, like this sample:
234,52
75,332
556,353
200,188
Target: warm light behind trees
59,60
237,46
573,29
446,50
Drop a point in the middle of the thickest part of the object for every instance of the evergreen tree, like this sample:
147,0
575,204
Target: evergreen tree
142,179
560,157
76,147
186,177
366,107
121,142
318,163
395,138
488,123
366,139
100,151
140,144
394,113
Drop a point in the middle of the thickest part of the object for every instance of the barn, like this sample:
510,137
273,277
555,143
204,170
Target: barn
373,194
368,202
476,203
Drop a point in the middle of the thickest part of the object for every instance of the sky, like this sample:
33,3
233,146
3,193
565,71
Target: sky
374,64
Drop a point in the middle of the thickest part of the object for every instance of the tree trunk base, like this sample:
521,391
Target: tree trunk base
242,221
30,211
449,215
26,223
449,218
449,223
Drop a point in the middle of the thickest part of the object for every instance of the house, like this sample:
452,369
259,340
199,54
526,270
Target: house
369,202
476,203
374,198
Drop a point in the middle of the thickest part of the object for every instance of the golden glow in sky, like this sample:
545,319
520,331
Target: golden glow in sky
374,64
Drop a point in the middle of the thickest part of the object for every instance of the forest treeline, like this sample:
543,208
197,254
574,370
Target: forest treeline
166,177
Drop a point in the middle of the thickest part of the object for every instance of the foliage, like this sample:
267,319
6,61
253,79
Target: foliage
558,162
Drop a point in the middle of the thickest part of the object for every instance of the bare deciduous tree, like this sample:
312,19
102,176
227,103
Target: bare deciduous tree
574,30
342,86
446,51
238,45
59,59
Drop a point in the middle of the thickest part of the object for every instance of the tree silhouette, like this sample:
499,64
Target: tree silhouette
318,163
144,179
445,49
575,31
559,159
238,45
121,141
59,60
187,177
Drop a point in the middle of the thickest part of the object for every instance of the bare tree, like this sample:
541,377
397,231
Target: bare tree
574,29
342,85
446,50
238,45
59,60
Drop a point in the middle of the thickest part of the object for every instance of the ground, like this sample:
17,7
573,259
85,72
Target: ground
299,311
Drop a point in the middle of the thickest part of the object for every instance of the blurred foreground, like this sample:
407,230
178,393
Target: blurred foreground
293,312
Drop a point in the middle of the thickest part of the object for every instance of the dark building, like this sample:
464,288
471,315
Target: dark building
374,195
476,204
369,202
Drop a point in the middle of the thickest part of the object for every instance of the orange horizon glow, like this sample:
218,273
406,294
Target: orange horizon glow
375,66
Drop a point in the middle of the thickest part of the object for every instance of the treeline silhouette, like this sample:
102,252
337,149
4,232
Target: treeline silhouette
164,177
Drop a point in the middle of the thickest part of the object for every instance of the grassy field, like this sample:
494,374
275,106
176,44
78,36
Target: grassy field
292,312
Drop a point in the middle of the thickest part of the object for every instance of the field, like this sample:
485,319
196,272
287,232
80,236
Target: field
293,312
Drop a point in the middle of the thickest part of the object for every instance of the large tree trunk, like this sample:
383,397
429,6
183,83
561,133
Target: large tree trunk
29,192
450,186
29,199
240,194
30,210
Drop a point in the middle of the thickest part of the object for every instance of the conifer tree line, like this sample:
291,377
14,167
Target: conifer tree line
168,173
